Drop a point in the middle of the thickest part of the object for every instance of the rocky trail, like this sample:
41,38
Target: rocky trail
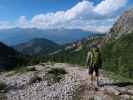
75,85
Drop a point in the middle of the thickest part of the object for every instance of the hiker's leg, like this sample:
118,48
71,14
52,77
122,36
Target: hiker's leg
91,79
97,80
95,84
97,75
91,74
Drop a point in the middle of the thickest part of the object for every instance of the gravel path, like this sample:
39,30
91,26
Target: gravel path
74,86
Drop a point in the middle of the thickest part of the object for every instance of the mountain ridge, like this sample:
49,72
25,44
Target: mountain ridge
37,46
8,57
124,24
61,36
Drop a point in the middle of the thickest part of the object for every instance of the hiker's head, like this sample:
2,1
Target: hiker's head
99,42
94,48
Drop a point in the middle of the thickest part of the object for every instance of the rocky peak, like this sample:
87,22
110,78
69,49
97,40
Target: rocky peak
124,25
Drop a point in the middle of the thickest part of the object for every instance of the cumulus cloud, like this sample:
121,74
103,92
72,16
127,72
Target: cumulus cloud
84,15
80,16
23,22
109,6
51,20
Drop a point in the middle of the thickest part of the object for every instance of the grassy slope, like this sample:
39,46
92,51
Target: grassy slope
72,57
118,56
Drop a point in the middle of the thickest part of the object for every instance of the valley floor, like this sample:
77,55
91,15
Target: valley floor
75,85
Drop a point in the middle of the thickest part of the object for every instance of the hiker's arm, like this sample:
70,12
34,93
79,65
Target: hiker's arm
87,59
101,61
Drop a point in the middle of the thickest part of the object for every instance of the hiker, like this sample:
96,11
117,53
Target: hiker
94,62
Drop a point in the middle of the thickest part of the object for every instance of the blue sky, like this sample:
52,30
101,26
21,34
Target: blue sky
81,14
29,8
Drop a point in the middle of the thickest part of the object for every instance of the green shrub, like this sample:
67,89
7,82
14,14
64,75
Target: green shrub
31,69
57,71
55,75
35,79
3,87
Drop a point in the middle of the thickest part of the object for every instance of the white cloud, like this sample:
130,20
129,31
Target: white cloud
23,22
109,6
51,20
92,25
83,15
5,25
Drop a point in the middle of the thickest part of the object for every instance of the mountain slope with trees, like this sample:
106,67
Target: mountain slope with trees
37,47
76,52
118,56
9,57
117,53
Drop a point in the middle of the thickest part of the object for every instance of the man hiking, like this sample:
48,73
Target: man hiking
94,62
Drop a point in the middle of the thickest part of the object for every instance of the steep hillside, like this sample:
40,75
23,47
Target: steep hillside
8,57
124,24
38,46
117,53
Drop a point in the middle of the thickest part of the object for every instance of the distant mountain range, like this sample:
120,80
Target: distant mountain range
18,35
37,47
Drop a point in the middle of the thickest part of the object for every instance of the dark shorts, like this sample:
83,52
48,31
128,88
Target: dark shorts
93,69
